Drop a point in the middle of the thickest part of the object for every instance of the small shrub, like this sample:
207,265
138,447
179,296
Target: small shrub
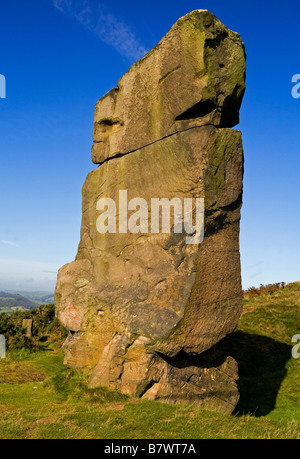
254,292
45,330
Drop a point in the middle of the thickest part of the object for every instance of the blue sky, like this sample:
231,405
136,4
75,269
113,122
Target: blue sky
60,56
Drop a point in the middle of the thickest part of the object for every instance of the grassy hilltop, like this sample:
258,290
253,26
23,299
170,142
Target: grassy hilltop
41,399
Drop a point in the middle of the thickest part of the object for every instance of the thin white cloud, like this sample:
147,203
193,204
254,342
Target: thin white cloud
22,274
107,27
11,243
61,5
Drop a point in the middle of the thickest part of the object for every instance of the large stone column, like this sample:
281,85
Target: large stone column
149,313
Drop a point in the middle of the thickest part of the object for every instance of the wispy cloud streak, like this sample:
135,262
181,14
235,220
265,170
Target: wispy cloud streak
106,26
11,243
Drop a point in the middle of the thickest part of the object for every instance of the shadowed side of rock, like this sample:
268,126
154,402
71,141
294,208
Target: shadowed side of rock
148,313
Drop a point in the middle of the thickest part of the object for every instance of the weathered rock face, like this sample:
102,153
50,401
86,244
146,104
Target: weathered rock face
148,313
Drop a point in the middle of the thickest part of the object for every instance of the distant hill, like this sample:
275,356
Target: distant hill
37,298
13,301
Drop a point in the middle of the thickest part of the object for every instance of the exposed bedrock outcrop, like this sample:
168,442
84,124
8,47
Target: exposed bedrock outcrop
149,313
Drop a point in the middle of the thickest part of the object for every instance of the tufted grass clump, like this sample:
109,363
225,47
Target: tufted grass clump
73,385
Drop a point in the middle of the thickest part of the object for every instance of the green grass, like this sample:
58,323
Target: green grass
62,407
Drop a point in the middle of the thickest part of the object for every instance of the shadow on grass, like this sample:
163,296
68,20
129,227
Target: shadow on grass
262,369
